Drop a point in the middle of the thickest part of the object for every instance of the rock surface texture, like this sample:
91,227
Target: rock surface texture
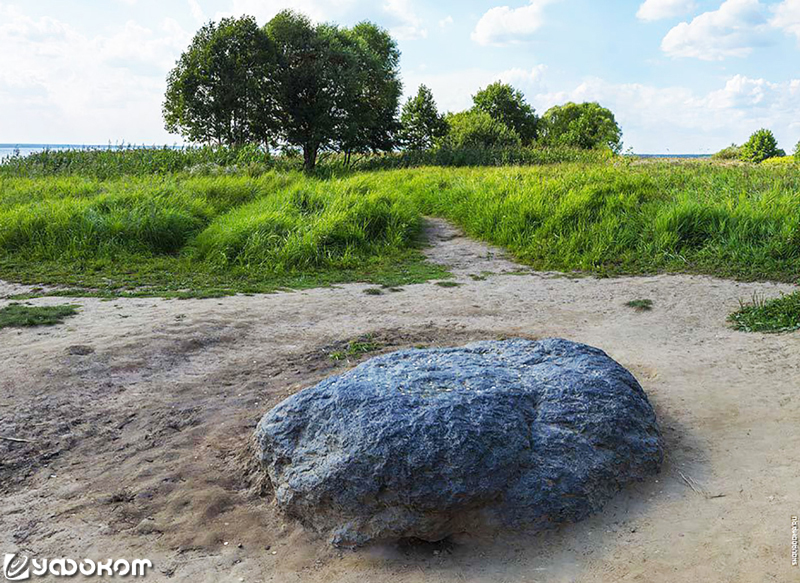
426,443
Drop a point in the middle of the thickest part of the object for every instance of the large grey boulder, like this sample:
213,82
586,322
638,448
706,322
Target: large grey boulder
427,443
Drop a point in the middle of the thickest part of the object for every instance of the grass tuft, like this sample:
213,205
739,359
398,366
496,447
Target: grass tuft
777,315
17,315
640,305
355,348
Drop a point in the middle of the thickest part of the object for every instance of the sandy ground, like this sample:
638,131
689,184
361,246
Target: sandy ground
139,412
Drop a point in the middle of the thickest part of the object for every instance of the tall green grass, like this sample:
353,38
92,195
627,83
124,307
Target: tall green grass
253,161
607,218
140,161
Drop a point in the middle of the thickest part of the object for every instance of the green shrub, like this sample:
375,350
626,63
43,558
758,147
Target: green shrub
732,152
761,145
797,152
477,129
136,161
581,125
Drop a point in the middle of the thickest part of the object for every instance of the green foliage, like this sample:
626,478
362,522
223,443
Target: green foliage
761,146
778,315
370,117
306,227
478,129
447,156
358,347
141,161
421,123
293,83
642,305
797,152
732,152
16,315
508,106
581,125
221,89
336,88
210,235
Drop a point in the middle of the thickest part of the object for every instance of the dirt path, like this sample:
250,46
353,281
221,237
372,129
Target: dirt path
138,412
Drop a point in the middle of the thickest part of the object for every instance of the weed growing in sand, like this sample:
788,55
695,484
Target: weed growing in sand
640,305
357,347
448,284
17,315
760,315
373,291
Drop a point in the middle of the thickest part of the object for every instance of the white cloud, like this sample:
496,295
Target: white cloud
787,17
197,12
502,25
446,22
652,10
678,120
410,26
57,83
733,30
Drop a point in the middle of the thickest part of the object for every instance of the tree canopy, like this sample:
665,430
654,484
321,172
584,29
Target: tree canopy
221,89
761,145
478,129
581,125
305,85
508,105
311,87
421,122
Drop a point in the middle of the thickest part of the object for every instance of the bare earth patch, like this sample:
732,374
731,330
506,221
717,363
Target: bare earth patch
137,414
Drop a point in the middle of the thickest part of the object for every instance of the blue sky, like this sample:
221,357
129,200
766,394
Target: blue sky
682,76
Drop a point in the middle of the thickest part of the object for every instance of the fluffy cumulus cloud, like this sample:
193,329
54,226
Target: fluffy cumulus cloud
787,17
652,10
57,83
677,119
409,26
733,30
503,25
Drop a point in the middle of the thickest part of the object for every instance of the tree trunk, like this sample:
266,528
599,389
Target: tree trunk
309,157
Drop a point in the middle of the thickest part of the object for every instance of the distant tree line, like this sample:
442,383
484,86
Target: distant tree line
761,146
296,85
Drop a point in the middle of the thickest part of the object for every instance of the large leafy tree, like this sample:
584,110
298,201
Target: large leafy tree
295,83
309,84
337,88
508,105
581,125
221,90
420,121
369,121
